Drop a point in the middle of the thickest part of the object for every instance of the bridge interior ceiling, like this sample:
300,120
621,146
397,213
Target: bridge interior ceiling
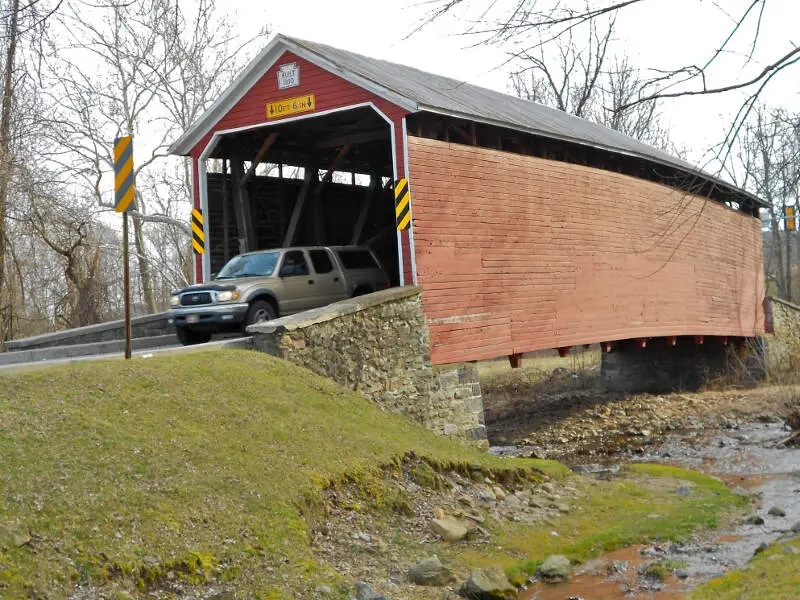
324,180
318,140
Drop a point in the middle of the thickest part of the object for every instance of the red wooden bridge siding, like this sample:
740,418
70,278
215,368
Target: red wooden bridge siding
516,253
330,92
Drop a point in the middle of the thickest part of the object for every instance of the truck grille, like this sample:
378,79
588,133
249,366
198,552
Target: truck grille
195,299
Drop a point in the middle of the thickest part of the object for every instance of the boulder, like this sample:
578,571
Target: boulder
15,536
487,495
430,572
755,520
776,511
490,583
449,529
364,591
555,566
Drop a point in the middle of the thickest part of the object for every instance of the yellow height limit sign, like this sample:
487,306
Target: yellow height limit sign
123,174
291,106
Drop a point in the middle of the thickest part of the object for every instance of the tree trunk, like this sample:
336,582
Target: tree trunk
788,234
5,155
777,252
145,274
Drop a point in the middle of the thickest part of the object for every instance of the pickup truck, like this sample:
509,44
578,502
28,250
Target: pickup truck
263,285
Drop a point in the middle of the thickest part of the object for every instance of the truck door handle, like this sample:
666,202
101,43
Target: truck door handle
310,282
336,279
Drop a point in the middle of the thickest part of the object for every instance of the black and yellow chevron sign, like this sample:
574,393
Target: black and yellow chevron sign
198,237
123,174
402,204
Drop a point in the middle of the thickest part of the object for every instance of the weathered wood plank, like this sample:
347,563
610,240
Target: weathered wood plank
566,255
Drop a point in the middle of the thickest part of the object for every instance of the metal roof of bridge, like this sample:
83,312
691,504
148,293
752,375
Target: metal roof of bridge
419,91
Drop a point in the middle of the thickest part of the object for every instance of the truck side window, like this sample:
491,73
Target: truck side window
321,261
357,259
294,264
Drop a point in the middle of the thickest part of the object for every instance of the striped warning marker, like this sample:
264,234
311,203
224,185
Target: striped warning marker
402,204
123,174
198,237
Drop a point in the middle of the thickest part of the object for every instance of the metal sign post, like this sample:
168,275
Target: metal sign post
124,201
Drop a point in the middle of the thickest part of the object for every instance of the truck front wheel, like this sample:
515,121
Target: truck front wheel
259,311
187,337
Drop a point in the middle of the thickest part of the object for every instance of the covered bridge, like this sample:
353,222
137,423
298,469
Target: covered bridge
529,228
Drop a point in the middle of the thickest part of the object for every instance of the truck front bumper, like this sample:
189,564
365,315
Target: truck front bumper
217,317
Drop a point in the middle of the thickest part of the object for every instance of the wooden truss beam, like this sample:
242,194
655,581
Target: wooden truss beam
259,157
319,213
241,208
352,138
366,204
310,176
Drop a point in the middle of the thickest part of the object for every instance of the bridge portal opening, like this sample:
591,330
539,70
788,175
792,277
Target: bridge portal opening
310,181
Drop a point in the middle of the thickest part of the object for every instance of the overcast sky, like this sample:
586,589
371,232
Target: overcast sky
658,33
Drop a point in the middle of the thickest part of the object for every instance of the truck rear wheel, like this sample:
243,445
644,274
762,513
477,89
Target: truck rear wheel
187,337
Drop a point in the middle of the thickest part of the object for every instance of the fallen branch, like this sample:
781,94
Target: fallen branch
792,440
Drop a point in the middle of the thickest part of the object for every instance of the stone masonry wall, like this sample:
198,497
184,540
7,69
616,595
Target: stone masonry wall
378,345
783,341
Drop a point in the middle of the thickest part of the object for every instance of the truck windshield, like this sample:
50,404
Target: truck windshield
250,265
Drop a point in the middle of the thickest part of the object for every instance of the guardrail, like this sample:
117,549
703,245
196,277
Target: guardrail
145,326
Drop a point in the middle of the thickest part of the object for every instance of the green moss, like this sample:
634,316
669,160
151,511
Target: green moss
424,475
657,572
771,575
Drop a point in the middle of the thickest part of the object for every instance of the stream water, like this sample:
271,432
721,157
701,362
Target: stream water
747,459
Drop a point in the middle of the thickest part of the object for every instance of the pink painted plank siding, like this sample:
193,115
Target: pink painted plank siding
516,254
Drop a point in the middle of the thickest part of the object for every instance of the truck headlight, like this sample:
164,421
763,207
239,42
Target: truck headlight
174,300
227,296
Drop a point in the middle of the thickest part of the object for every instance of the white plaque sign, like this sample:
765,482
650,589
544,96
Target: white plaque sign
288,76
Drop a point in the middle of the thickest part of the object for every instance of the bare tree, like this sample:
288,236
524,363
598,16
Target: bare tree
12,31
640,120
23,24
533,24
156,70
570,81
582,77
766,162
159,70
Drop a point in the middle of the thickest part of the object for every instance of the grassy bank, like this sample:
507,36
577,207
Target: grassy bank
205,468
197,464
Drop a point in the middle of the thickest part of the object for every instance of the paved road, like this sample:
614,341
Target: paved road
226,342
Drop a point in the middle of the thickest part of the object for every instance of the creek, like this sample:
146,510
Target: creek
749,459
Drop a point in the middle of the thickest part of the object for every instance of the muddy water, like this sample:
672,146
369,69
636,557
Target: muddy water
748,460
613,575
